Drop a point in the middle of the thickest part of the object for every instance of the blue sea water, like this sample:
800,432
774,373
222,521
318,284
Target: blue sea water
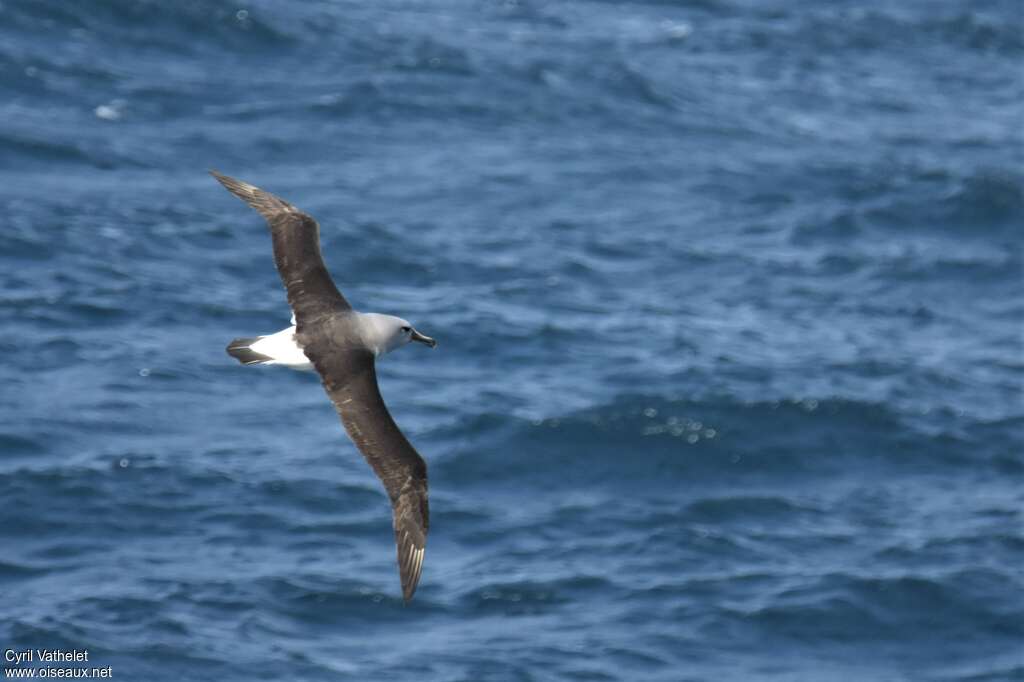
730,300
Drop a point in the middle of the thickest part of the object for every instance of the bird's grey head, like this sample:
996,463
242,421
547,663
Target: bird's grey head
384,333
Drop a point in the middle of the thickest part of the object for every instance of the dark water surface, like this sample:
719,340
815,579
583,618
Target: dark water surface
730,301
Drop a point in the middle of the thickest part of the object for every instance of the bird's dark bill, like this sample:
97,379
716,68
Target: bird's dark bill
416,336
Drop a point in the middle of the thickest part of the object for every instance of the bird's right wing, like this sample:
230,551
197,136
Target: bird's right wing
296,235
350,379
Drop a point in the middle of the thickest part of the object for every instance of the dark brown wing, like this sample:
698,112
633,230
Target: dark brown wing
311,292
350,379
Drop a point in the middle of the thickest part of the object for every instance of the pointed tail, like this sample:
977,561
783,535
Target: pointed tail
241,351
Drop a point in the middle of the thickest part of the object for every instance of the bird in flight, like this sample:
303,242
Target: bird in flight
342,345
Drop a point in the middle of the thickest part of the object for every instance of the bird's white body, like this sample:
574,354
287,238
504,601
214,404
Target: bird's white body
282,349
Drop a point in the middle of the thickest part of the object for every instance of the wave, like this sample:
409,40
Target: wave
983,203
987,202
841,607
155,24
990,197
12,444
869,30
15,147
530,596
653,439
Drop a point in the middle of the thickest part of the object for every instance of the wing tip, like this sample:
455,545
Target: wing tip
410,567
225,180
267,204
233,185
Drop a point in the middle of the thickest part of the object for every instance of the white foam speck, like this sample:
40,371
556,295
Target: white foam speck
112,111
676,30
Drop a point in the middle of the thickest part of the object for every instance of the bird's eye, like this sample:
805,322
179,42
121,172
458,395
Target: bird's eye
406,330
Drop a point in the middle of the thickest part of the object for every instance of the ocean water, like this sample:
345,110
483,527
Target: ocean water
729,295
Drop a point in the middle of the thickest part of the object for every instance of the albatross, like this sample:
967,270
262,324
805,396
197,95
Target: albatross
342,345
